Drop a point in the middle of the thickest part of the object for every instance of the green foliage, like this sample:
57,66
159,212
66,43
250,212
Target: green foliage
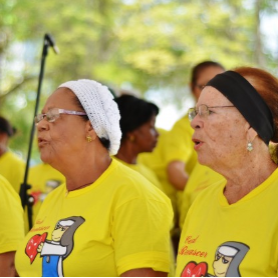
149,45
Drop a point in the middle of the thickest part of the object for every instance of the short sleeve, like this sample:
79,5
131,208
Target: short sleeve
11,219
141,232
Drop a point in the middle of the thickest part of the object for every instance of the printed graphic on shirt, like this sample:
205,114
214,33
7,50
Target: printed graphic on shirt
54,251
228,258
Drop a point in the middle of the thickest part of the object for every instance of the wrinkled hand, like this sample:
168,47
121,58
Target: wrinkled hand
39,249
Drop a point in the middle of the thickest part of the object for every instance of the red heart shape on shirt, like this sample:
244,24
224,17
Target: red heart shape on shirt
32,245
36,195
194,270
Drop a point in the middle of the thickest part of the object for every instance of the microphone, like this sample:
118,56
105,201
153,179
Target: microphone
51,42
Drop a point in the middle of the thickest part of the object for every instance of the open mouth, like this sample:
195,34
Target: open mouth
41,141
197,143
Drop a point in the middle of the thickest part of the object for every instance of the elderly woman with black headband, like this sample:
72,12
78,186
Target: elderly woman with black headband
232,227
123,221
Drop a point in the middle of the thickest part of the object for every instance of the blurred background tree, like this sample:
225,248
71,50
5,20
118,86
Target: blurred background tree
147,46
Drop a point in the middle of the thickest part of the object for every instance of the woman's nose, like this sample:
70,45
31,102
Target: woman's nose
42,125
156,133
196,122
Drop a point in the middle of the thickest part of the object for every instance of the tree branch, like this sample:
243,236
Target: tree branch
15,87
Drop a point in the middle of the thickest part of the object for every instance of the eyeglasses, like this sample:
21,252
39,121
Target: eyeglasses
54,114
203,111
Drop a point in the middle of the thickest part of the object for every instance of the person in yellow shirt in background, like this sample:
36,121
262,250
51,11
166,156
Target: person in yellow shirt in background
180,155
138,133
174,158
11,227
12,167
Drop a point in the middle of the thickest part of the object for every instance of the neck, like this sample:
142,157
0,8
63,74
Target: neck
80,173
3,148
127,153
242,181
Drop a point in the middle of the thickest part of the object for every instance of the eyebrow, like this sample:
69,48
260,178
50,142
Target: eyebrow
47,109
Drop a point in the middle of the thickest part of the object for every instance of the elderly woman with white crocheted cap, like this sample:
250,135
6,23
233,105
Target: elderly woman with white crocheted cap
117,223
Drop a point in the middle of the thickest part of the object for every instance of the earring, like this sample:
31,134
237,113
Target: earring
249,146
89,138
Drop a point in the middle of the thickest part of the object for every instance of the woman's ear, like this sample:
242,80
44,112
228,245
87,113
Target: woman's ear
130,136
90,131
251,134
4,138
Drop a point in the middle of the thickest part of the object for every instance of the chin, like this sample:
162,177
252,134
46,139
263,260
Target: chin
205,161
45,158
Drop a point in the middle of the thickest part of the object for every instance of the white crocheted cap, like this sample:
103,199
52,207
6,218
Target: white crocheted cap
101,109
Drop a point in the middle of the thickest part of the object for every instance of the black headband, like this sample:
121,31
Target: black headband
247,100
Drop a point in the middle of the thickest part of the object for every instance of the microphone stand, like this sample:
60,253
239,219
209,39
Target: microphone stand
26,199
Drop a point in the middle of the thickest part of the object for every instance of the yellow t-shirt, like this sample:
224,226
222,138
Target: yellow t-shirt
235,240
118,223
150,175
201,177
11,220
143,170
43,178
13,169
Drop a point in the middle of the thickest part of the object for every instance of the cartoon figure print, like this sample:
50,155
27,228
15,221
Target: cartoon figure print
54,251
228,257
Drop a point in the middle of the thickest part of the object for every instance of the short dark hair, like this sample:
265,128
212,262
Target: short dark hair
5,127
197,69
134,112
